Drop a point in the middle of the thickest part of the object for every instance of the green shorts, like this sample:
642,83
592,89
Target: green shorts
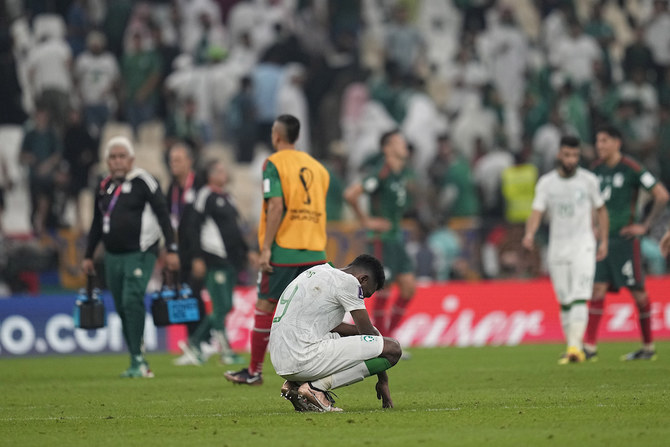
623,265
270,286
393,257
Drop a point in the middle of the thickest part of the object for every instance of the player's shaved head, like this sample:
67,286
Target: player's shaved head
288,128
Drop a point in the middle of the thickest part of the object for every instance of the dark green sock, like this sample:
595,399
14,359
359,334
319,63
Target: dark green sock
377,365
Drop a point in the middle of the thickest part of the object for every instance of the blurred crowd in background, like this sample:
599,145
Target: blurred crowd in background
481,89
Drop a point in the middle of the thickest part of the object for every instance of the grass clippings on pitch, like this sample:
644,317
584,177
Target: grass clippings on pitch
495,396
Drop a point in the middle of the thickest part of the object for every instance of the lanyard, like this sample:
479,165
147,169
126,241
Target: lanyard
112,203
178,199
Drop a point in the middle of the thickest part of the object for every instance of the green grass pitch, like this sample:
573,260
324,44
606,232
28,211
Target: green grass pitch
496,396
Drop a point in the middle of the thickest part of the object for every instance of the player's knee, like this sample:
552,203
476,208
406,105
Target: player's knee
392,350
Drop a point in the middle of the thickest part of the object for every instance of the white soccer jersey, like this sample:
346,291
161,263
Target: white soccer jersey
311,306
569,202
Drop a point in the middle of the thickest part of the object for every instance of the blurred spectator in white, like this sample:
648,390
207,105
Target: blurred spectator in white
212,34
487,173
242,57
440,24
141,73
266,78
546,142
575,55
404,43
78,25
41,152
504,49
474,123
657,35
422,125
49,63
555,26
641,91
291,100
363,122
241,122
466,75
96,74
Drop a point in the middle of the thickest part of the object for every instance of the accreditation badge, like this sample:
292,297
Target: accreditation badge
105,224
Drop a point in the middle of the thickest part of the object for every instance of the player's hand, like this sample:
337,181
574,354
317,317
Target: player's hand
264,261
377,224
528,242
633,230
602,251
384,394
252,259
198,268
88,267
172,262
665,244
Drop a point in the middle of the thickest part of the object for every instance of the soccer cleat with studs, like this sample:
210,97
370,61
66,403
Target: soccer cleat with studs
640,354
321,400
243,377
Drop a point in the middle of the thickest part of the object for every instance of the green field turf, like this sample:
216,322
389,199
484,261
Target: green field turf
496,396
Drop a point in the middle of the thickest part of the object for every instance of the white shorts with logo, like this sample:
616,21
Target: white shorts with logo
572,278
335,354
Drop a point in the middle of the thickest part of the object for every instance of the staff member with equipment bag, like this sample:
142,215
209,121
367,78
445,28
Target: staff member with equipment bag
130,214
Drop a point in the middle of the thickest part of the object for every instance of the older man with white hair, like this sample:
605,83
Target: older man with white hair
130,214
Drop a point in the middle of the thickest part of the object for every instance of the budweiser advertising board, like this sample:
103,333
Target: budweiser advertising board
482,313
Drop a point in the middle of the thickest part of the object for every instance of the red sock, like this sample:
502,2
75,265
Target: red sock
397,313
645,323
260,335
596,310
379,310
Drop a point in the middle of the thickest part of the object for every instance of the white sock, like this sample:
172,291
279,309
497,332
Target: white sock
343,378
565,324
220,337
579,317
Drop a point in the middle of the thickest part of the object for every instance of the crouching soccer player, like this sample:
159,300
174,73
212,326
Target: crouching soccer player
315,351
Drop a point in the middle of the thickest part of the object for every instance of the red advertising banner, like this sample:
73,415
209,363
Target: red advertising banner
482,313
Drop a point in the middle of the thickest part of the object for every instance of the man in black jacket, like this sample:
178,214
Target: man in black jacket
130,215
220,251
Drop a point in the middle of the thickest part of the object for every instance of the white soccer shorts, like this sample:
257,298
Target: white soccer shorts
573,279
336,354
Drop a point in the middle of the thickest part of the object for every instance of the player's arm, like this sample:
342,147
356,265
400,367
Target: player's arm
660,198
365,327
665,243
274,212
352,195
362,324
273,217
532,224
603,219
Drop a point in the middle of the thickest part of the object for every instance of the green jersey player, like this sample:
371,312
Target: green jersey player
386,185
621,179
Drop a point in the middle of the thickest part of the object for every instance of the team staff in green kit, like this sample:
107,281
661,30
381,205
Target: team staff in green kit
130,215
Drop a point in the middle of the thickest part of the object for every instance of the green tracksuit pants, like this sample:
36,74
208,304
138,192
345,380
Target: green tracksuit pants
127,277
